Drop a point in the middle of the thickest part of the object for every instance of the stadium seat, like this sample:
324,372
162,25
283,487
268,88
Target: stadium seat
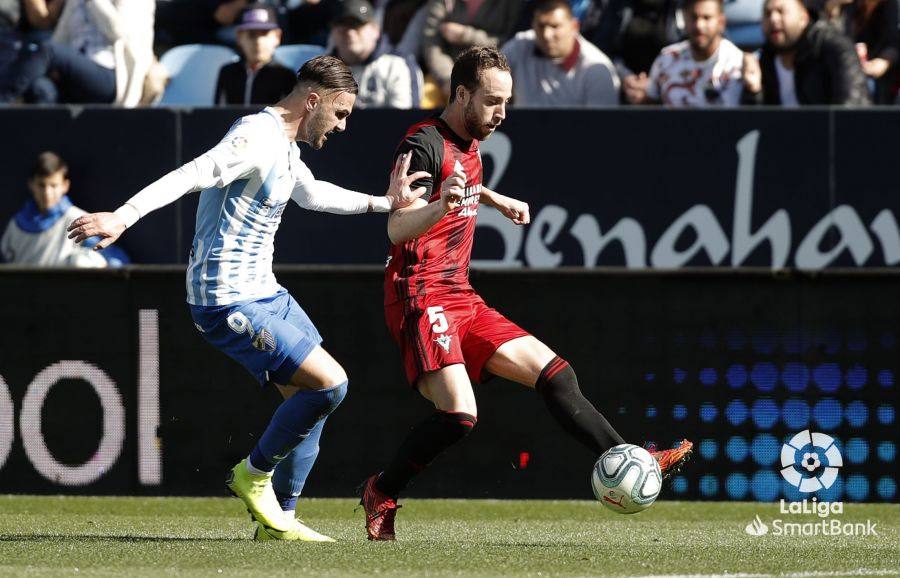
743,17
193,71
295,55
747,36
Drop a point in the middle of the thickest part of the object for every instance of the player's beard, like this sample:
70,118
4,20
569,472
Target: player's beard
474,125
316,129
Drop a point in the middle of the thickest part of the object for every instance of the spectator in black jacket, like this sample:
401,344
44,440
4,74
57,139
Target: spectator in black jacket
452,26
872,24
257,78
807,63
24,21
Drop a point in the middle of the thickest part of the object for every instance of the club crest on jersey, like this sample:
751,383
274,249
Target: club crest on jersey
264,341
444,342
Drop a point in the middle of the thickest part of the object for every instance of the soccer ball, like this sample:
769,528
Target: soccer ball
626,479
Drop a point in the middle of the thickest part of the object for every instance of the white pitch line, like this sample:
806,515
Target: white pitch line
858,572
809,574
735,575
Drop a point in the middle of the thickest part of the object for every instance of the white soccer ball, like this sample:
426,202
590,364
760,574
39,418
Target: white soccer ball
626,479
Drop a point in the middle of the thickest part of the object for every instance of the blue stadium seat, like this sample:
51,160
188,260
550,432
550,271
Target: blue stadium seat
743,17
193,71
747,36
295,55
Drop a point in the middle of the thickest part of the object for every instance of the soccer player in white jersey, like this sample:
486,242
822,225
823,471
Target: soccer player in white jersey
236,303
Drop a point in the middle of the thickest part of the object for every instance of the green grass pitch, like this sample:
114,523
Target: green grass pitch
85,536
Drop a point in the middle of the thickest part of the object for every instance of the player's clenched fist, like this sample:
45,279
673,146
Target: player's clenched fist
514,210
107,226
453,190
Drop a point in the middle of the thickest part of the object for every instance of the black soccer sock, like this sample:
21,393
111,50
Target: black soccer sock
424,443
558,386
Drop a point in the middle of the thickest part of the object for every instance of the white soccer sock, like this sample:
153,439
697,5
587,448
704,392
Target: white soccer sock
254,470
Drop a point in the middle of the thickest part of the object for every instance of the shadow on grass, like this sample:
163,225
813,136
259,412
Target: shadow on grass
100,538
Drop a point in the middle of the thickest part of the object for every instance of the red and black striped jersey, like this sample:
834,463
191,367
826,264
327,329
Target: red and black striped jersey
438,261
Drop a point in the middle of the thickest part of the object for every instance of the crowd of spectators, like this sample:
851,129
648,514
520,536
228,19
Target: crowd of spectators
562,52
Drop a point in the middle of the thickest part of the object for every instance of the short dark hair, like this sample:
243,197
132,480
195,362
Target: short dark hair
689,3
544,6
470,64
328,72
49,163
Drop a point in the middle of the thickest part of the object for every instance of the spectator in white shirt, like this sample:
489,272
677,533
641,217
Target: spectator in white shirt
553,65
706,70
100,52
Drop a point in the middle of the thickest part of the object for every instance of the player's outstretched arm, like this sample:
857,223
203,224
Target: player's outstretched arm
513,209
416,219
329,198
241,152
110,226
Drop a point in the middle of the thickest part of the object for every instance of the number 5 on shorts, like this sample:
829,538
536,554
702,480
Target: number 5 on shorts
438,320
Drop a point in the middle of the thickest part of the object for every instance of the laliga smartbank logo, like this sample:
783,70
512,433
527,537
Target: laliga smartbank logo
810,462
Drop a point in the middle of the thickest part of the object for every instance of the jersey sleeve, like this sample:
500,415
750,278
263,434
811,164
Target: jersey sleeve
427,155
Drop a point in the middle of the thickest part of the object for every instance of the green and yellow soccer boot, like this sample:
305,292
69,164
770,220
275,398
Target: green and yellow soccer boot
299,532
259,497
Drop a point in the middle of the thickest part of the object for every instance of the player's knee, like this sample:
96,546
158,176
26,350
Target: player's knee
557,376
333,396
331,376
540,357
459,423
337,376
319,371
457,405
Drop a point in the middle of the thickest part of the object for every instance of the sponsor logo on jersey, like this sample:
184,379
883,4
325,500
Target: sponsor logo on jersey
469,202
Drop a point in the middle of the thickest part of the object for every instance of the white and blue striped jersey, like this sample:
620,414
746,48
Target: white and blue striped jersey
256,169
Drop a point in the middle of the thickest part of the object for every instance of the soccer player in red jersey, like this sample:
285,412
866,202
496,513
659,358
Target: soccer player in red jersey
448,336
